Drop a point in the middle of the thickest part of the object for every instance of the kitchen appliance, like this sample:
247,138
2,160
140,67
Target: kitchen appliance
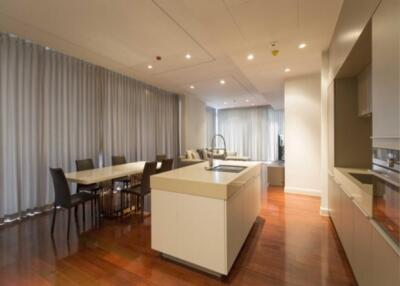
386,191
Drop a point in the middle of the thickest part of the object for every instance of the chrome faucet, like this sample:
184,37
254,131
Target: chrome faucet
211,159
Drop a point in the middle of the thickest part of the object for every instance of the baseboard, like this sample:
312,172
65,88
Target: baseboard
324,211
303,191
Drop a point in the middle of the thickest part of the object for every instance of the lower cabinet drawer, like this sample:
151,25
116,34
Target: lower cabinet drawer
361,259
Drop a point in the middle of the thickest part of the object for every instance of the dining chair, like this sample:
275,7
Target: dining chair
166,165
83,165
160,157
64,199
143,189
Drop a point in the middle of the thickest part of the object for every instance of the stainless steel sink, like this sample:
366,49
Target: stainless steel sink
363,178
228,168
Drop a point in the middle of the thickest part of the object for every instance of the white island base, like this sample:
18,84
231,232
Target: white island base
204,229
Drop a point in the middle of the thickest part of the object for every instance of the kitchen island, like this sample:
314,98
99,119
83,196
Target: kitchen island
202,217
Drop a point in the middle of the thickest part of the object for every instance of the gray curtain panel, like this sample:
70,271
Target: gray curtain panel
55,109
252,131
211,121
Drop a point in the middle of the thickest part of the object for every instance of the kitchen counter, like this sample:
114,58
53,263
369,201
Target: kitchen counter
362,194
202,218
196,180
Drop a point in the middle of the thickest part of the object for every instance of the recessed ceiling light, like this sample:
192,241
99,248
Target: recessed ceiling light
247,100
192,87
287,69
188,56
225,102
222,81
252,104
250,57
149,67
302,45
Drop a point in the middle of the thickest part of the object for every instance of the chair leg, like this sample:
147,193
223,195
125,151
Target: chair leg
76,219
91,211
122,199
53,220
142,208
69,223
84,216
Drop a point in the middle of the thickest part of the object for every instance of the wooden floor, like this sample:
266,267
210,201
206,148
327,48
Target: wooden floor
290,244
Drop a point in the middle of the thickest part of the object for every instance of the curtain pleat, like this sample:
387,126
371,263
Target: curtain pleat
210,128
252,131
55,109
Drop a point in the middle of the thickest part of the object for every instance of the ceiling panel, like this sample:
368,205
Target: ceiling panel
127,35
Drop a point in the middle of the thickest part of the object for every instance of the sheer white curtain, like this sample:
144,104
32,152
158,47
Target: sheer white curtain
140,120
49,115
252,132
211,120
55,109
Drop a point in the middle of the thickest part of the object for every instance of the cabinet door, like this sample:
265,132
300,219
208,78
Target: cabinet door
334,201
347,224
385,70
361,263
384,262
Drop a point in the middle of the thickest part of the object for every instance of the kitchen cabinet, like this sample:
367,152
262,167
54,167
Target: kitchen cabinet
334,202
385,73
362,248
385,261
373,259
364,92
347,224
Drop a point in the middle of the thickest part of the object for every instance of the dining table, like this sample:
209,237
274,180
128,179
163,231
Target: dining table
107,174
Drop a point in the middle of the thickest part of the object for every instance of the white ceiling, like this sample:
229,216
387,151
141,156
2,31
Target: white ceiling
127,35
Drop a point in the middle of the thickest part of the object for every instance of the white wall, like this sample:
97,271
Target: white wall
303,135
194,123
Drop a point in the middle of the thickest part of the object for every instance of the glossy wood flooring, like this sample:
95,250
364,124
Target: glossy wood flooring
290,244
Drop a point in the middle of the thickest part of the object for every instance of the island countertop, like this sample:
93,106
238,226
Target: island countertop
196,180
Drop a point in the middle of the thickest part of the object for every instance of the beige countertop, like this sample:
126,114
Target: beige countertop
362,194
196,180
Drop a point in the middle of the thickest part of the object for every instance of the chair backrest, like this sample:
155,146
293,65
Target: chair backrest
118,160
149,169
85,164
166,165
61,188
160,157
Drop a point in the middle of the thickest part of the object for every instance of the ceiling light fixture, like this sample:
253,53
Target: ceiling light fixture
252,104
149,67
247,100
222,81
302,45
192,87
250,57
225,103
287,69
188,56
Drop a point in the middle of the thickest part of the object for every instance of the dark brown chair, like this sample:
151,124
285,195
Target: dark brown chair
166,165
83,165
64,199
161,157
140,191
119,160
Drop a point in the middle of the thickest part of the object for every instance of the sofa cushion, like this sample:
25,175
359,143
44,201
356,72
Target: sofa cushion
191,154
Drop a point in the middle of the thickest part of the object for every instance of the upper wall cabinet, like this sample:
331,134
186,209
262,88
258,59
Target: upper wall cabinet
385,74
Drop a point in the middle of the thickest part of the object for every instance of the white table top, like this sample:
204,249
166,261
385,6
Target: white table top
106,173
